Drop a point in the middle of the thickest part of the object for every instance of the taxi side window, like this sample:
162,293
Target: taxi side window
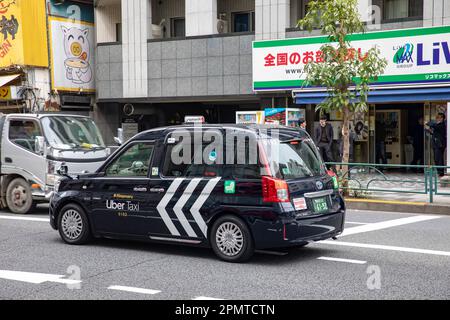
24,133
246,167
134,162
189,168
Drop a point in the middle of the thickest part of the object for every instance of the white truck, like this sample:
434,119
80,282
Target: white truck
33,147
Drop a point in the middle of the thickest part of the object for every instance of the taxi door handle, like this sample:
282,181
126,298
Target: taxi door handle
140,189
157,190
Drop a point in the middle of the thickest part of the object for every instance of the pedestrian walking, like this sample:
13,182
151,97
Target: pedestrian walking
438,130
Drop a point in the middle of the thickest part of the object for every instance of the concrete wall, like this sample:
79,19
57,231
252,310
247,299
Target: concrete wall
201,67
109,75
215,66
272,18
201,17
135,27
436,13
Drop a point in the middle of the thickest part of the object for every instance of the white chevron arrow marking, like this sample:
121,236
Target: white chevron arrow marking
163,204
195,209
178,208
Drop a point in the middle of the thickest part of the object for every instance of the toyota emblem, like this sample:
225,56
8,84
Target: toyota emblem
319,185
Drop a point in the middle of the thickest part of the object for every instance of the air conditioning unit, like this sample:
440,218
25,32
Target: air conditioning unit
156,31
222,26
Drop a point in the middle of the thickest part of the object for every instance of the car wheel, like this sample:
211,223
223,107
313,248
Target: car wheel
231,239
73,225
18,196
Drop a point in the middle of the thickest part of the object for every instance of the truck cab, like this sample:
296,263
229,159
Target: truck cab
33,147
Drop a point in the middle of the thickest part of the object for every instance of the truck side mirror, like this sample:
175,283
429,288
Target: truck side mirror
39,145
63,170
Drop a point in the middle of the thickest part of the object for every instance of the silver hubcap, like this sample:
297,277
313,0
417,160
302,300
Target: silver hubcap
19,196
72,224
229,239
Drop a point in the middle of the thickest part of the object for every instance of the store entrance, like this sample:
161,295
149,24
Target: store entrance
399,134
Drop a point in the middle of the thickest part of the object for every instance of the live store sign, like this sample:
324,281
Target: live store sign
415,57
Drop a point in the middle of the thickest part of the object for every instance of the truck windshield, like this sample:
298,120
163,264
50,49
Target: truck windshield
66,132
293,159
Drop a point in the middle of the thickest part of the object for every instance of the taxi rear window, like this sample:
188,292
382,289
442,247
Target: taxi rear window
293,159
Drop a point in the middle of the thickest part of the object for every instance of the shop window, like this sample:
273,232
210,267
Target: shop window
178,28
400,9
23,133
243,21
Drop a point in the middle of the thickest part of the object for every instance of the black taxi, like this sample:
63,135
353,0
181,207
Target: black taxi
234,188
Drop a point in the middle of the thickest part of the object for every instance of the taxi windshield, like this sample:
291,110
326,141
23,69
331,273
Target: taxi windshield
293,159
66,133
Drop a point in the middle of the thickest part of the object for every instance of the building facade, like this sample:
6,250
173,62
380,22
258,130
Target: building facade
159,60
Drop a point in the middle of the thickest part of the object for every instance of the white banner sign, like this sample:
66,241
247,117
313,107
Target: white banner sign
415,57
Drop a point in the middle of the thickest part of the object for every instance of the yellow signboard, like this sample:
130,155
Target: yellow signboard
23,33
5,93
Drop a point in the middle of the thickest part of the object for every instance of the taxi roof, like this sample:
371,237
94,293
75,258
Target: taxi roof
257,129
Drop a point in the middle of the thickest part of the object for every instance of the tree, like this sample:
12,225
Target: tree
345,72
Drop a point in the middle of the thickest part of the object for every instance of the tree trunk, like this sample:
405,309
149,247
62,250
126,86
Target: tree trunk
345,149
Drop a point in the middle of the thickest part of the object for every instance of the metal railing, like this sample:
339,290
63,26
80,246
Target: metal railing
392,178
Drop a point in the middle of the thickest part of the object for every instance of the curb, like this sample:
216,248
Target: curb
397,206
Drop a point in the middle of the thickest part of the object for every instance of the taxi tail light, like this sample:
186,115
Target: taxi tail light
274,190
334,177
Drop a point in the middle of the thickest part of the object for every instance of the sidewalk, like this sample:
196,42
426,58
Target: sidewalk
398,200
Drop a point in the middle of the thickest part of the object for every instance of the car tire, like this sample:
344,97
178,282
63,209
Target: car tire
19,198
231,240
73,225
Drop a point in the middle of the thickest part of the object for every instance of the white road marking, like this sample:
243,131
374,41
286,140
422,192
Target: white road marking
385,247
387,224
206,298
361,223
342,260
133,289
36,278
25,218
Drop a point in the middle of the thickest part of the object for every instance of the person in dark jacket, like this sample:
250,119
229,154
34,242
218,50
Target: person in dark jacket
323,136
438,130
418,141
302,123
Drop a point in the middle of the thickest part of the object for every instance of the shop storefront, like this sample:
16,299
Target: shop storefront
413,89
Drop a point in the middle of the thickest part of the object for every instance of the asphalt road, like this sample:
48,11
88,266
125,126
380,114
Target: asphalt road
385,256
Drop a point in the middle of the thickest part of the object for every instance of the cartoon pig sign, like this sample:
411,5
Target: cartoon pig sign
77,50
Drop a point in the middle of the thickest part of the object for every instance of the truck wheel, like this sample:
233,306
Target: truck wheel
231,239
73,225
18,196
